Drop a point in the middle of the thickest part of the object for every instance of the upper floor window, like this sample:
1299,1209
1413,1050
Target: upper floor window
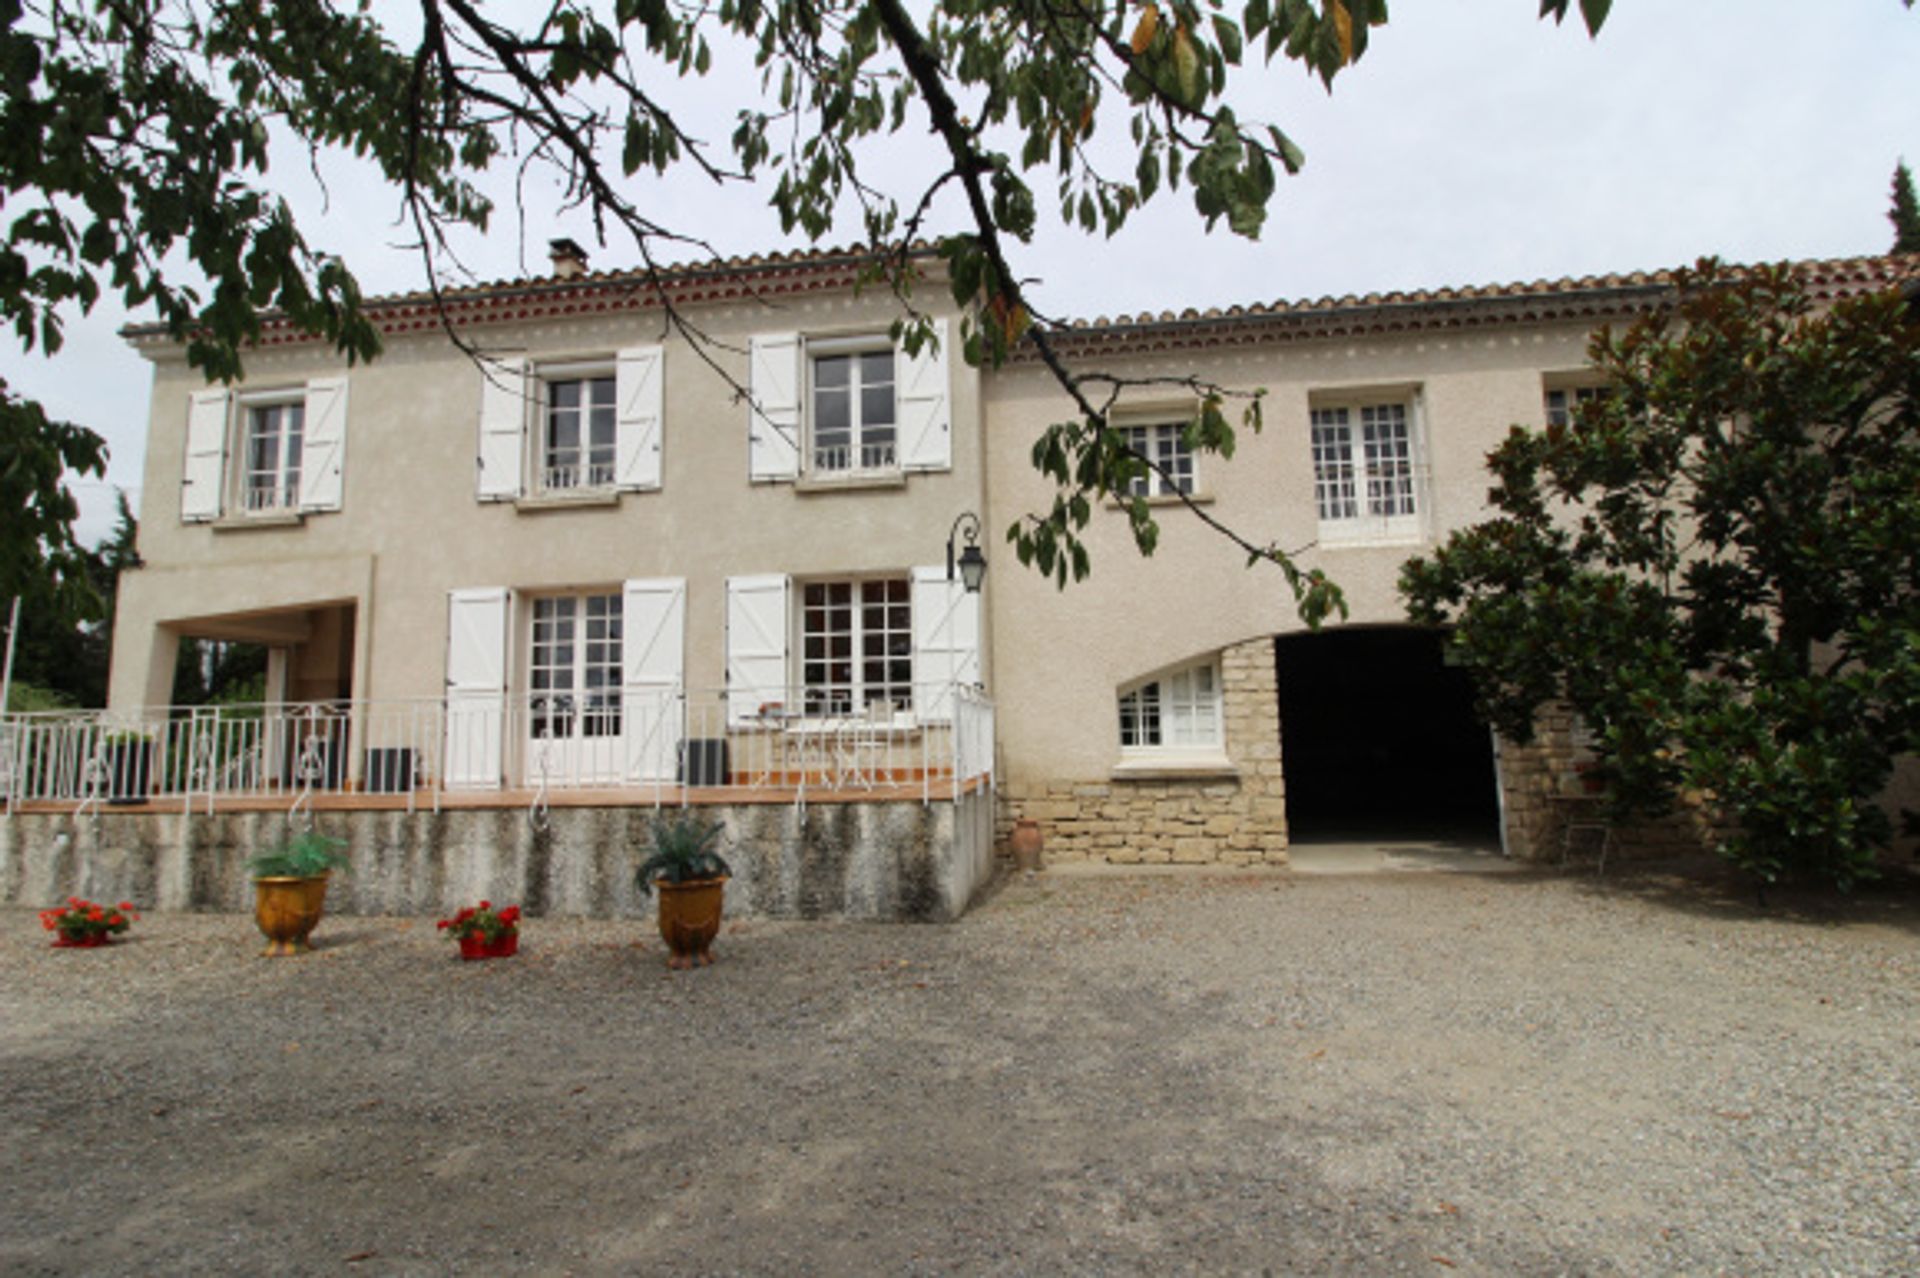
848,407
1365,470
1179,710
1561,402
1166,444
579,435
272,450
853,411
278,453
856,645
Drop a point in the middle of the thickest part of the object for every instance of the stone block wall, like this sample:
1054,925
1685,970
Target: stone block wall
1223,817
1538,777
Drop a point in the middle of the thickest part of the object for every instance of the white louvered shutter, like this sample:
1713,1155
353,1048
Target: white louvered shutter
476,686
206,463
639,379
653,655
946,641
323,444
756,645
923,405
503,428
773,418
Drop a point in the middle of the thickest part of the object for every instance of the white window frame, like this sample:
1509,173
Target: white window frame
830,698
584,374
283,496
1570,394
1177,713
590,713
1166,443
852,349
1359,497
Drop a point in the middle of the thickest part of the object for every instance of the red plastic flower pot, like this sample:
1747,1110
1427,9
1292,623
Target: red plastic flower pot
479,947
92,941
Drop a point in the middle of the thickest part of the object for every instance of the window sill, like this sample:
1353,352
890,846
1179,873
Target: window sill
1176,768
589,498
1366,536
1163,499
871,479
266,519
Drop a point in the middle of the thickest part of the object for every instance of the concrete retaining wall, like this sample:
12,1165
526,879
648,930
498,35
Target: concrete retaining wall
892,861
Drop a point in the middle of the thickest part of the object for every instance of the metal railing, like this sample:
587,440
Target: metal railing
659,745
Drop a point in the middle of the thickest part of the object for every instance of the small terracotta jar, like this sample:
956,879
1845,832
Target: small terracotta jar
1027,843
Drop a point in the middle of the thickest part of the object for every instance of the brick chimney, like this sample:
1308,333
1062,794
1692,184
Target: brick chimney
569,259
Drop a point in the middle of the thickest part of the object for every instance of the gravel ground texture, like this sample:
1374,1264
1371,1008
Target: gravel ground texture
1404,1073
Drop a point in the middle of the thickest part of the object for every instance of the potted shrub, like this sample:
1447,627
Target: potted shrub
692,879
83,925
129,767
290,888
484,932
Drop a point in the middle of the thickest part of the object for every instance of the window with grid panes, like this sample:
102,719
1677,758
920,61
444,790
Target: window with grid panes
574,666
1363,462
853,411
1562,401
1176,711
578,432
273,442
1166,444
856,645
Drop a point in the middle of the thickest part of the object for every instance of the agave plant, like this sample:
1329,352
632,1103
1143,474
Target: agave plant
682,852
306,855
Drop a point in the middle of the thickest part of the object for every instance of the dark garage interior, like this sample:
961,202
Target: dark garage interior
1379,739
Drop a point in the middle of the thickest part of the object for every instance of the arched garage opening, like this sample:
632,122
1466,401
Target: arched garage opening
1378,739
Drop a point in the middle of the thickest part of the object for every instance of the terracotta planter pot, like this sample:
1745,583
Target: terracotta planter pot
479,947
1027,844
93,942
690,918
287,911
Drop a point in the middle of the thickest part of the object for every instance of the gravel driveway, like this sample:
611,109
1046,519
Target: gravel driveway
1413,1073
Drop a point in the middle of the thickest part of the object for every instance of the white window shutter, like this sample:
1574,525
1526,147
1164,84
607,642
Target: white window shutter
946,641
653,654
638,395
503,428
756,645
205,471
923,405
476,687
323,444
773,417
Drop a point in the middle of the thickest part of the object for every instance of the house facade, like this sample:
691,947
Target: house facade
611,552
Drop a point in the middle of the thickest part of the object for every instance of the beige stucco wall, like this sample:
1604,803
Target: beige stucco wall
1061,656
411,528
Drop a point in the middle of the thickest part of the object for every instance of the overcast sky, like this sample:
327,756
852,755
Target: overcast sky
1474,144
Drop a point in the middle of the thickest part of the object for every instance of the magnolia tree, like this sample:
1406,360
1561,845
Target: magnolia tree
1717,565
136,138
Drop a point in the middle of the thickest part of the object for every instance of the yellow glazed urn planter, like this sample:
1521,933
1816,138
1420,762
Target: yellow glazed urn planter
287,910
690,919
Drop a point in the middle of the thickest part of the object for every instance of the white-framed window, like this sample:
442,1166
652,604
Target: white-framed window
1166,443
578,429
574,666
853,419
856,644
271,450
1366,469
1178,710
1561,401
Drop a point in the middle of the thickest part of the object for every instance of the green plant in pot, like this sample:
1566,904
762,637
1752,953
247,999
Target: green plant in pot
290,888
692,879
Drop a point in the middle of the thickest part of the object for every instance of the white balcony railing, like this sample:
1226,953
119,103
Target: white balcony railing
657,745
